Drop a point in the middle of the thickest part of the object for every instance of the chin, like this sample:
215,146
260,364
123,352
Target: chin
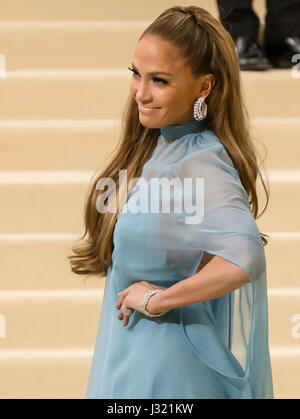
147,124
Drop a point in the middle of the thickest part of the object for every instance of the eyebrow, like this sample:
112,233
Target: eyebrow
153,73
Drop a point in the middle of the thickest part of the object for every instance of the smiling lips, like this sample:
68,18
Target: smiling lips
141,108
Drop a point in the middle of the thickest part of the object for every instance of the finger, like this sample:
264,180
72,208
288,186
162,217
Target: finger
119,303
123,316
120,315
125,320
121,295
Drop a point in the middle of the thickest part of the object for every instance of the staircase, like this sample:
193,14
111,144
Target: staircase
62,94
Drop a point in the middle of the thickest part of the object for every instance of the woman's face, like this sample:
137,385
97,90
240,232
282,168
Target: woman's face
168,98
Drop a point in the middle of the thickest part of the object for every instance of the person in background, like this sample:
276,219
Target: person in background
281,37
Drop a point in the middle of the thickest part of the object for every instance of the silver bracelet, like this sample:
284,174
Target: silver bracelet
145,301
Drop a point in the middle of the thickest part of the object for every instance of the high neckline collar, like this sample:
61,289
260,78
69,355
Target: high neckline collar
173,132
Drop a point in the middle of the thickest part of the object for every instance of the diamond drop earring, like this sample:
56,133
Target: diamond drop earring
200,109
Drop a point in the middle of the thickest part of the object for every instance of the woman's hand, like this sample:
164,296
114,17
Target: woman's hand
133,296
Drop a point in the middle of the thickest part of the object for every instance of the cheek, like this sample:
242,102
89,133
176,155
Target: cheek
164,98
172,99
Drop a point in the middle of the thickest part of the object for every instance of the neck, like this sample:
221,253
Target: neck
173,132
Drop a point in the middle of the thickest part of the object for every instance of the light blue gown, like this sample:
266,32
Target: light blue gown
214,349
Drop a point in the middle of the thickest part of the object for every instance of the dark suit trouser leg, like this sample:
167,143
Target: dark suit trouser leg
282,20
238,18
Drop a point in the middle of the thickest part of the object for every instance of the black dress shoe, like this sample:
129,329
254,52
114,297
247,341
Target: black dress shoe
250,55
281,54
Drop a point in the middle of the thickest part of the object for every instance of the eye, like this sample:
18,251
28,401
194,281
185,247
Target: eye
158,80
135,73
155,79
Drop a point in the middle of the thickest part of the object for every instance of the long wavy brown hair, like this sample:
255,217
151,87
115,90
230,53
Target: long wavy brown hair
208,49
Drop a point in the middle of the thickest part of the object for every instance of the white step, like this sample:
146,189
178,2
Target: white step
85,144
30,202
64,374
103,94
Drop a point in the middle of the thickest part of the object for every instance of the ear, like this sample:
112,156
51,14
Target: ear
206,85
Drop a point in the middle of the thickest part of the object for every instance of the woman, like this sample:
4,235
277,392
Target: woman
203,332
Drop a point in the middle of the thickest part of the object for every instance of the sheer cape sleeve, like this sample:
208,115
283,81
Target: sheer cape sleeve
222,223
229,334
203,207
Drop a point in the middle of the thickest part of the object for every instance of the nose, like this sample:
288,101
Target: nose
142,93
